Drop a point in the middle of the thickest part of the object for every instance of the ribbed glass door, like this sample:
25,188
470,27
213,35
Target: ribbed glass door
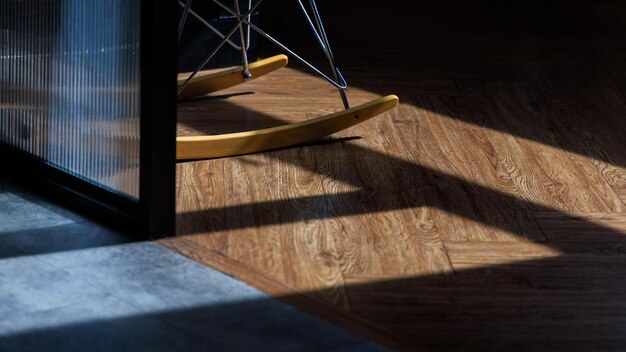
70,87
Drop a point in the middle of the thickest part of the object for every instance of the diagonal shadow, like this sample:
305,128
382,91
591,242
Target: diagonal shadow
442,191
249,325
512,306
571,302
567,60
568,302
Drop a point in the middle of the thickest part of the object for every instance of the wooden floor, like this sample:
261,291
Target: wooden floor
486,212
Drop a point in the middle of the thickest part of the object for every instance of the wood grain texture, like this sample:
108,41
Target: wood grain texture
486,212
594,116
463,153
544,172
291,295
594,234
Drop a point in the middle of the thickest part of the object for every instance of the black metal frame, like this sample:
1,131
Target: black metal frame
159,26
153,215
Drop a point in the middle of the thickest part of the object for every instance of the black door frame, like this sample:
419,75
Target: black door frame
159,27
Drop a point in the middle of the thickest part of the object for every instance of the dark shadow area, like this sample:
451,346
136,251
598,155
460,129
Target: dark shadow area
323,141
76,236
73,232
255,325
224,118
213,97
564,62
518,306
197,37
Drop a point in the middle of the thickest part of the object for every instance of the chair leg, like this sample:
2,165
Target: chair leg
183,19
230,144
243,43
328,51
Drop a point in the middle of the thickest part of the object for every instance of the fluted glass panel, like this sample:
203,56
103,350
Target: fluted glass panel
69,86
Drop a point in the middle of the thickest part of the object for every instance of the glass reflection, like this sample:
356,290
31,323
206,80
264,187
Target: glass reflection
69,86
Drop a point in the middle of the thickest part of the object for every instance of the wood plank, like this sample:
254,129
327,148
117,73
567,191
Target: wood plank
460,173
544,174
286,241
199,186
590,107
494,308
288,294
467,255
389,229
503,294
585,233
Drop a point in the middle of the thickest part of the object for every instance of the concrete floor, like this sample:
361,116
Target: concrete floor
67,284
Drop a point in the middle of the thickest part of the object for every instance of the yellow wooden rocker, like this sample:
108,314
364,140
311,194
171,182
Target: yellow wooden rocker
230,144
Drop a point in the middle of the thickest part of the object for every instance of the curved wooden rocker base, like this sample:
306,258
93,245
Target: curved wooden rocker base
230,77
230,144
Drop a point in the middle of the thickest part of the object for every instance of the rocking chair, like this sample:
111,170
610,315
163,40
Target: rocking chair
231,144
